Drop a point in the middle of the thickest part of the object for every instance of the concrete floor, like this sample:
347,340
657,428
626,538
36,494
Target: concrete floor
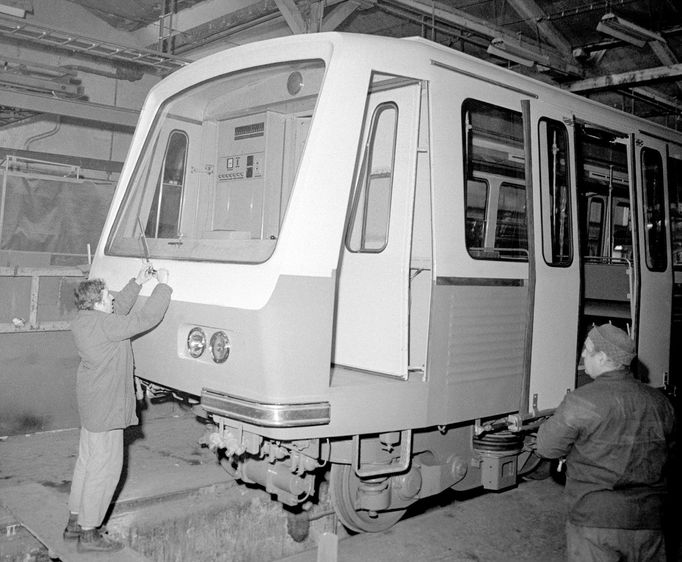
176,503
520,525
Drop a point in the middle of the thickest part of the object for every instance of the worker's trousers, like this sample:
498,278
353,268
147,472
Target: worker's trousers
595,544
97,472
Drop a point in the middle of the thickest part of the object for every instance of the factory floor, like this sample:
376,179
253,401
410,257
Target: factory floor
175,503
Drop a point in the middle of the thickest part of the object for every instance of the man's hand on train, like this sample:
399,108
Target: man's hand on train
144,275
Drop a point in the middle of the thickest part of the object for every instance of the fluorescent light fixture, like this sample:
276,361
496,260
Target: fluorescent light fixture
510,50
16,8
611,24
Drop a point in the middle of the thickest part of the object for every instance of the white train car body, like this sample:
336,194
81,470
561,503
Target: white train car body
379,250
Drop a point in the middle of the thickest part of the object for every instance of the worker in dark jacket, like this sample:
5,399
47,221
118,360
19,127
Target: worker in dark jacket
615,433
106,395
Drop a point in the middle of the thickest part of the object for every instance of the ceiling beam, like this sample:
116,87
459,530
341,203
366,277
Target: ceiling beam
530,11
82,110
226,25
338,15
66,41
458,18
632,78
663,51
292,16
561,62
254,14
655,98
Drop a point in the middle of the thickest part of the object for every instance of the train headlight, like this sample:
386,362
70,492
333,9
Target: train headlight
196,342
220,347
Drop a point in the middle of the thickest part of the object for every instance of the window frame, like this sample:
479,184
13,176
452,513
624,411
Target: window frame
363,185
548,201
515,180
651,196
162,184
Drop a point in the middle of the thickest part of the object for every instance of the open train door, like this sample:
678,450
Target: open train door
654,274
372,324
556,278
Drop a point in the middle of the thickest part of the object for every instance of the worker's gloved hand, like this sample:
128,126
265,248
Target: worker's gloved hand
530,443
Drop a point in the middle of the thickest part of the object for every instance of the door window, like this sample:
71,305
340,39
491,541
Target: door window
372,206
654,210
556,199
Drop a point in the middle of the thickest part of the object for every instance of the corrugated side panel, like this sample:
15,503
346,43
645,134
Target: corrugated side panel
484,348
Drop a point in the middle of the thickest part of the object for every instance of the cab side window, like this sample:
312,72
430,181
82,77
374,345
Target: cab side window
164,216
372,205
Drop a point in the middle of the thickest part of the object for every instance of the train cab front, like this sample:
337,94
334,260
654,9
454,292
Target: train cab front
238,181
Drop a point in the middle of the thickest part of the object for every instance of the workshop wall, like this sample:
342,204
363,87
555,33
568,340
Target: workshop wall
38,381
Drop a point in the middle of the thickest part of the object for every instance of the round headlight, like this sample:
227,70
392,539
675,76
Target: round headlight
220,347
196,342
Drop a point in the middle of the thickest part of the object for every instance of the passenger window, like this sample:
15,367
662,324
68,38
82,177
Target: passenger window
495,192
556,199
164,215
372,206
654,210
595,227
675,186
622,230
510,228
477,197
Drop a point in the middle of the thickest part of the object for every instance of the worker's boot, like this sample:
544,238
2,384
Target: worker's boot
94,540
72,532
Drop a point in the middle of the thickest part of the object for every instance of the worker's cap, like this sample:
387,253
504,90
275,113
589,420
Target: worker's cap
614,342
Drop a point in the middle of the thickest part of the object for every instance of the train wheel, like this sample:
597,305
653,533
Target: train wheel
343,486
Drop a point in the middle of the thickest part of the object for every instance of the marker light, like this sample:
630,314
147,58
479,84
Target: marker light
196,342
220,347
294,83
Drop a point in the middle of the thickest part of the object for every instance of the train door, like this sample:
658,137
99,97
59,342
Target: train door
479,310
557,267
608,251
654,300
371,331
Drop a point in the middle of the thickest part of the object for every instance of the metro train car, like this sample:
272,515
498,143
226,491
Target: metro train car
385,255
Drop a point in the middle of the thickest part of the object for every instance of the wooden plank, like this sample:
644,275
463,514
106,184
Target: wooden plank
44,513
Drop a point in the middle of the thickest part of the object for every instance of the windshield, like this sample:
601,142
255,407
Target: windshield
216,173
